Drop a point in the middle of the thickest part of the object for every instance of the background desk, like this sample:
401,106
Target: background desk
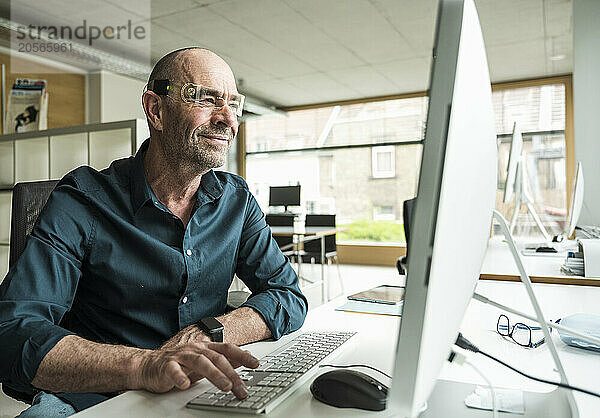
499,265
309,233
375,345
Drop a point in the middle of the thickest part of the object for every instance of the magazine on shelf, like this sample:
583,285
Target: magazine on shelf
27,106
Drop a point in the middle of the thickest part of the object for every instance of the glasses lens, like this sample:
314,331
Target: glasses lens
239,101
211,99
502,326
521,334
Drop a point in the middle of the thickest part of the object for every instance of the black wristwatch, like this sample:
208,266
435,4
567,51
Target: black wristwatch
212,327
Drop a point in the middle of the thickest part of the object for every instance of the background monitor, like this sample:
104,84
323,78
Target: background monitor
576,202
284,196
514,155
453,212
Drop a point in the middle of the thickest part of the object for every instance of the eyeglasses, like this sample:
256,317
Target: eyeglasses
198,95
520,333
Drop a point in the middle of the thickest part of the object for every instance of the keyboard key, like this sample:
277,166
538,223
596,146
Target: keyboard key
246,404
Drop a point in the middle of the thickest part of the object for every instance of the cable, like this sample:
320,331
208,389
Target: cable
462,342
492,391
355,365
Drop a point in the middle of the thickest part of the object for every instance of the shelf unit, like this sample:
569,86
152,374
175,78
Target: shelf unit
52,153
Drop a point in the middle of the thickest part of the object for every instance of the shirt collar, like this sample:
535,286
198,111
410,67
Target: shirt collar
210,188
140,189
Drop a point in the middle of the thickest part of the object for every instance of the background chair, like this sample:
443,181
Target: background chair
282,220
312,248
407,211
28,200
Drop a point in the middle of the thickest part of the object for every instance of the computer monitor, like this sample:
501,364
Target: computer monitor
453,211
284,196
514,155
576,202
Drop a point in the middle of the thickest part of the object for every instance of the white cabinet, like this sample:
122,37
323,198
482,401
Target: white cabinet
31,159
107,146
50,154
67,152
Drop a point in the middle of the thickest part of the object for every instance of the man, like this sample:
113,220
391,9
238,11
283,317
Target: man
123,263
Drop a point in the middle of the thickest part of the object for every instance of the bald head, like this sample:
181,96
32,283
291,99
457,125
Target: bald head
184,133
195,65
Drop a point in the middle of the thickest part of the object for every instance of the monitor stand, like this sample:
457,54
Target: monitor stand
448,400
448,397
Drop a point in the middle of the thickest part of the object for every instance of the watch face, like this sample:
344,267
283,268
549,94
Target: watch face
211,324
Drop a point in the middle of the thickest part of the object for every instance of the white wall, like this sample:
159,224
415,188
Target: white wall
586,106
113,97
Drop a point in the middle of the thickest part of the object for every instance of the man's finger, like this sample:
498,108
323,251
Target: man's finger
199,364
174,372
221,362
235,354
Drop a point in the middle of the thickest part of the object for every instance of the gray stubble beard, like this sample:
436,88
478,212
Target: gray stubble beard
193,153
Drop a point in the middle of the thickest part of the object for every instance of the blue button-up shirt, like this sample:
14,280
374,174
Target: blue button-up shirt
109,262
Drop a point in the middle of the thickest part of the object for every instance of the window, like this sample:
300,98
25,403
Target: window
383,213
540,111
361,161
383,161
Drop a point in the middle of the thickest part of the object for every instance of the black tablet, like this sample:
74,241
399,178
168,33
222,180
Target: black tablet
381,294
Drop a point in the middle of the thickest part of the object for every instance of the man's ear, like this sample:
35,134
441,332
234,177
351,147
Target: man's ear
152,104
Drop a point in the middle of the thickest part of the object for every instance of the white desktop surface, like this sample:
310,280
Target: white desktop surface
544,268
499,260
375,345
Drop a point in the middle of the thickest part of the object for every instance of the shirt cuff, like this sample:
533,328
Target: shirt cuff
37,346
275,315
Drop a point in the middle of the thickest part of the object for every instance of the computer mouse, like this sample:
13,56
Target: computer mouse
350,389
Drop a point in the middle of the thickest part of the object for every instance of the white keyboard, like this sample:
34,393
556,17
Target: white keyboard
279,373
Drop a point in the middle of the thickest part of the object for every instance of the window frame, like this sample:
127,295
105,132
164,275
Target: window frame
382,254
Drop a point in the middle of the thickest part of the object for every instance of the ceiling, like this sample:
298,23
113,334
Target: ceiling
295,52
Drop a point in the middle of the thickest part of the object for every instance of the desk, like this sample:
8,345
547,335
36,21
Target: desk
305,234
375,345
499,265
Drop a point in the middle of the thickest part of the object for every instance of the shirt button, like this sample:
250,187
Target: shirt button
188,252
184,299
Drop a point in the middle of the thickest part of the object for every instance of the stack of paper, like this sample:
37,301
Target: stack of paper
574,264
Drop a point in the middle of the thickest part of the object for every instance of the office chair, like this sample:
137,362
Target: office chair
407,210
28,200
312,249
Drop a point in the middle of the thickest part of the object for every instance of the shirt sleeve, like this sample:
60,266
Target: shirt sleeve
39,288
269,276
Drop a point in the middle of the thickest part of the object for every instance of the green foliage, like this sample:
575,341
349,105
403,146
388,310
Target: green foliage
366,230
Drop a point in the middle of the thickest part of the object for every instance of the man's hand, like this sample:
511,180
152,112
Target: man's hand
189,335
163,369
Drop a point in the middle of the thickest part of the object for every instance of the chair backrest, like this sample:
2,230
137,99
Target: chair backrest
314,246
407,208
281,220
28,200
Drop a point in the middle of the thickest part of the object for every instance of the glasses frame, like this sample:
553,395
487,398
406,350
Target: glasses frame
508,332
164,87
